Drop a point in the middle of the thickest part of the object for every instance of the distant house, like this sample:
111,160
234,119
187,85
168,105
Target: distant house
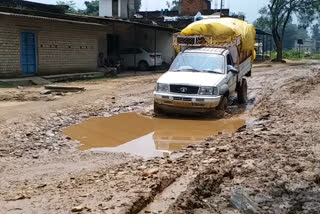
116,8
192,7
309,45
34,41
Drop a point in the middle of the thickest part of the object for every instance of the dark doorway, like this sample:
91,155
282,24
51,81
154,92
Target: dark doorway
113,45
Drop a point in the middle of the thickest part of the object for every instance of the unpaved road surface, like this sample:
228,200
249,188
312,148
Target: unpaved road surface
274,160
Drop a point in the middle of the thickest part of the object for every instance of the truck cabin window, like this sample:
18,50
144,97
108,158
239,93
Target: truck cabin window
195,62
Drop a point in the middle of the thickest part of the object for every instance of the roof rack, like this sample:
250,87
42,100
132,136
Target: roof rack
206,41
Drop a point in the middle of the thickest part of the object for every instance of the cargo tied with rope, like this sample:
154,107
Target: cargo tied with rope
233,34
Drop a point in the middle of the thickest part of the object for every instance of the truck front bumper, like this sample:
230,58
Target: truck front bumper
186,101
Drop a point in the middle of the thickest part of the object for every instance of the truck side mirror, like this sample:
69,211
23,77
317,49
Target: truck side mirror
232,69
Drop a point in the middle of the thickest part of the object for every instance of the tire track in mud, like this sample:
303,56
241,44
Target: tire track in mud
274,189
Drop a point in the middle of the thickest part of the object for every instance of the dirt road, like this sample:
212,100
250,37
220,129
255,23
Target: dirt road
274,161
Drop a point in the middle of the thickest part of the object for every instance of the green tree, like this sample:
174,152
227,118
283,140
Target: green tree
292,33
239,15
92,8
174,5
263,22
315,32
70,4
279,13
137,5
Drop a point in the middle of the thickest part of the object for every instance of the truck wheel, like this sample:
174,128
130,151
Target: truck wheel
248,74
156,109
243,92
223,104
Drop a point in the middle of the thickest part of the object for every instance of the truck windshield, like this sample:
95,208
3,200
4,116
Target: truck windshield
198,63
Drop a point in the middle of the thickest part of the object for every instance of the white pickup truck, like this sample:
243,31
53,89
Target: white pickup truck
203,76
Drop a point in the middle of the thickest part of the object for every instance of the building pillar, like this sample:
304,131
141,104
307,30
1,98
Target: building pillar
119,8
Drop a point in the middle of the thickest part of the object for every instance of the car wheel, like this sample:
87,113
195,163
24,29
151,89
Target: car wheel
143,66
243,92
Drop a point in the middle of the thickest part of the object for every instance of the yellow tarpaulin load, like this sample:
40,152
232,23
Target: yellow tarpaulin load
225,27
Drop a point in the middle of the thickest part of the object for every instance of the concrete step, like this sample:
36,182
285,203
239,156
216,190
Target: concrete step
45,80
74,76
40,81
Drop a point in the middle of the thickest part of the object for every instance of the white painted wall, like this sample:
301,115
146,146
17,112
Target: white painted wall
105,8
123,9
145,39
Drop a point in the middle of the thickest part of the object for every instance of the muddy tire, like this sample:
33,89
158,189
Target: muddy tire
156,109
248,74
223,104
220,109
243,92
143,66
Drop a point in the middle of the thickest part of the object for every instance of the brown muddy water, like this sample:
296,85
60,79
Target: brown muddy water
145,136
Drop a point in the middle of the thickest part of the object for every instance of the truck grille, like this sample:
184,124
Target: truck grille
184,89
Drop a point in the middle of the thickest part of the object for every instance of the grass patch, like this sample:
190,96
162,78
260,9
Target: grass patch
293,55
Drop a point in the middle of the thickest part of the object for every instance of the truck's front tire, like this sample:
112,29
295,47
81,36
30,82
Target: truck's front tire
156,109
243,92
223,104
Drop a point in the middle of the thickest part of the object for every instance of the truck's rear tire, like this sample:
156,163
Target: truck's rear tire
248,74
243,92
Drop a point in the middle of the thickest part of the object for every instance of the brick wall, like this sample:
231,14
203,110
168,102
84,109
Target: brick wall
61,47
192,7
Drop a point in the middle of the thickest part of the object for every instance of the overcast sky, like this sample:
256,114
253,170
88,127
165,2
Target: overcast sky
249,7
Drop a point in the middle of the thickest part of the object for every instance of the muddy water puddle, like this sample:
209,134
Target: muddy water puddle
145,136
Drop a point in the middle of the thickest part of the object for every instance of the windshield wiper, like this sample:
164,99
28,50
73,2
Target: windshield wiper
188,69
216,72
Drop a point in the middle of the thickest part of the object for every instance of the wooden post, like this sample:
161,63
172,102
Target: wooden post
155,49
135,46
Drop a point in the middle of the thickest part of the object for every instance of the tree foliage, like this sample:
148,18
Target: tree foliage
278,15
239,15
315,32
293,32
174,5
137,5
70,4
92,7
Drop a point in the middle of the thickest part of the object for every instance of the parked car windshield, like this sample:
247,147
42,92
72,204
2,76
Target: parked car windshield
148,50
198,63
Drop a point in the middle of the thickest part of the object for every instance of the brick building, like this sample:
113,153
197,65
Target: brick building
192,7
32,45
42,43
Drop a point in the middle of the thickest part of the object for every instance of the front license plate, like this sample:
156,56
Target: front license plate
182,104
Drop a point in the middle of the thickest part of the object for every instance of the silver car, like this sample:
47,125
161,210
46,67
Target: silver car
141,58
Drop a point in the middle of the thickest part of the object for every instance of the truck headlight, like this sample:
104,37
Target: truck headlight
209,91
162,87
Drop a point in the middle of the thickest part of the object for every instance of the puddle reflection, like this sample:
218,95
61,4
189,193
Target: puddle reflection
144,136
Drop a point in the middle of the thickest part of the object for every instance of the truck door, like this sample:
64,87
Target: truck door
232,77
